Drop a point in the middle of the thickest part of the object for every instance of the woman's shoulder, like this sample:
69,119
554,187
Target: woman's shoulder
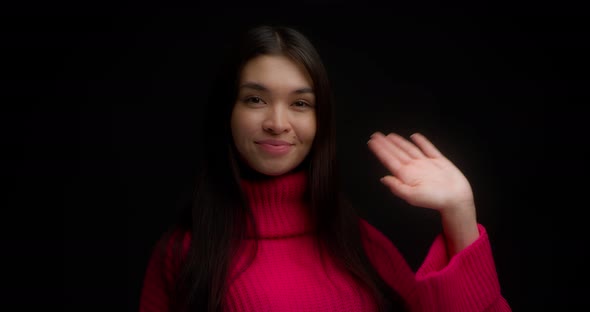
163,268
371,234
176,238
386,258
173,244
375,242
379,245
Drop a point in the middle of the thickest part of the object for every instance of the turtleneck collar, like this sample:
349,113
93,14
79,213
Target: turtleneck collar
279,205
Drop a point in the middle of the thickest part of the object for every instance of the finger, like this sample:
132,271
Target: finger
405,145
391,147
396,186
426,146
390,162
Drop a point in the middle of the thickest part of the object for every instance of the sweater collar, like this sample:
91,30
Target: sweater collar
279,205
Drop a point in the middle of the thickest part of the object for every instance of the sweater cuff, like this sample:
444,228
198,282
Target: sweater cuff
466,282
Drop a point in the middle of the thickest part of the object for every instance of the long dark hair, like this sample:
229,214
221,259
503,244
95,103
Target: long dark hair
217,215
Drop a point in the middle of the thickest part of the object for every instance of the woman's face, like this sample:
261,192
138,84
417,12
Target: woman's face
273,121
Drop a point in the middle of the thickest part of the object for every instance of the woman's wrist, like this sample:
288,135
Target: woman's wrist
460,228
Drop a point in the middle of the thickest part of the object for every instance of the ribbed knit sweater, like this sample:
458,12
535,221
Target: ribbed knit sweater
287,272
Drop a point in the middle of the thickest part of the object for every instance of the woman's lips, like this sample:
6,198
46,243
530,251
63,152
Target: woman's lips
273,142
274,149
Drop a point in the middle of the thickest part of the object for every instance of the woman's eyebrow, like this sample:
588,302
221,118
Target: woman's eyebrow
262,88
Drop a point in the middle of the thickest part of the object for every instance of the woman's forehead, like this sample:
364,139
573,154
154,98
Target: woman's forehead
272,73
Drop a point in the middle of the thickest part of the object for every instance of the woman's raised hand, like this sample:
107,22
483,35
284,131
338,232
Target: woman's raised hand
420,174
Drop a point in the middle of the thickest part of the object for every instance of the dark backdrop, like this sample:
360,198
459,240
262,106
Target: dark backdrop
117,94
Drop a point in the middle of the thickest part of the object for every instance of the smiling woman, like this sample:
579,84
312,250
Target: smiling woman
269,230
273,121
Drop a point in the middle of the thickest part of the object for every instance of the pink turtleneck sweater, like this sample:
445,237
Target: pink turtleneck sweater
287,273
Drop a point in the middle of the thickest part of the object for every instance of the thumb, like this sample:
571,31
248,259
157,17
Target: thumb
396,186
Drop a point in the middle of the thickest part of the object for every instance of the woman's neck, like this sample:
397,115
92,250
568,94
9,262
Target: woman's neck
279,205
247,173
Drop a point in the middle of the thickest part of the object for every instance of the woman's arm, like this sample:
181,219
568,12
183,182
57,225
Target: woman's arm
424,177
460,228
154,292
467,282
458,273
162,271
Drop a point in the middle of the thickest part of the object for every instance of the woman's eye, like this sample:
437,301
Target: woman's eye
254,100
301,104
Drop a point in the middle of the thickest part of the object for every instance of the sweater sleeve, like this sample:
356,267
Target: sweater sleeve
161,273
466,282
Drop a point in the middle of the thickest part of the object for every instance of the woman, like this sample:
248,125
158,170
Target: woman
268,229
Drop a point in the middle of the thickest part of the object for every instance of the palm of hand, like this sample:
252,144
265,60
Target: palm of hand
421,175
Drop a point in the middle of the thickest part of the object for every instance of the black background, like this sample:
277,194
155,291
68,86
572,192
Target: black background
104,103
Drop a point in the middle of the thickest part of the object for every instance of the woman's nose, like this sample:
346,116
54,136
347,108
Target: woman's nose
277,121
